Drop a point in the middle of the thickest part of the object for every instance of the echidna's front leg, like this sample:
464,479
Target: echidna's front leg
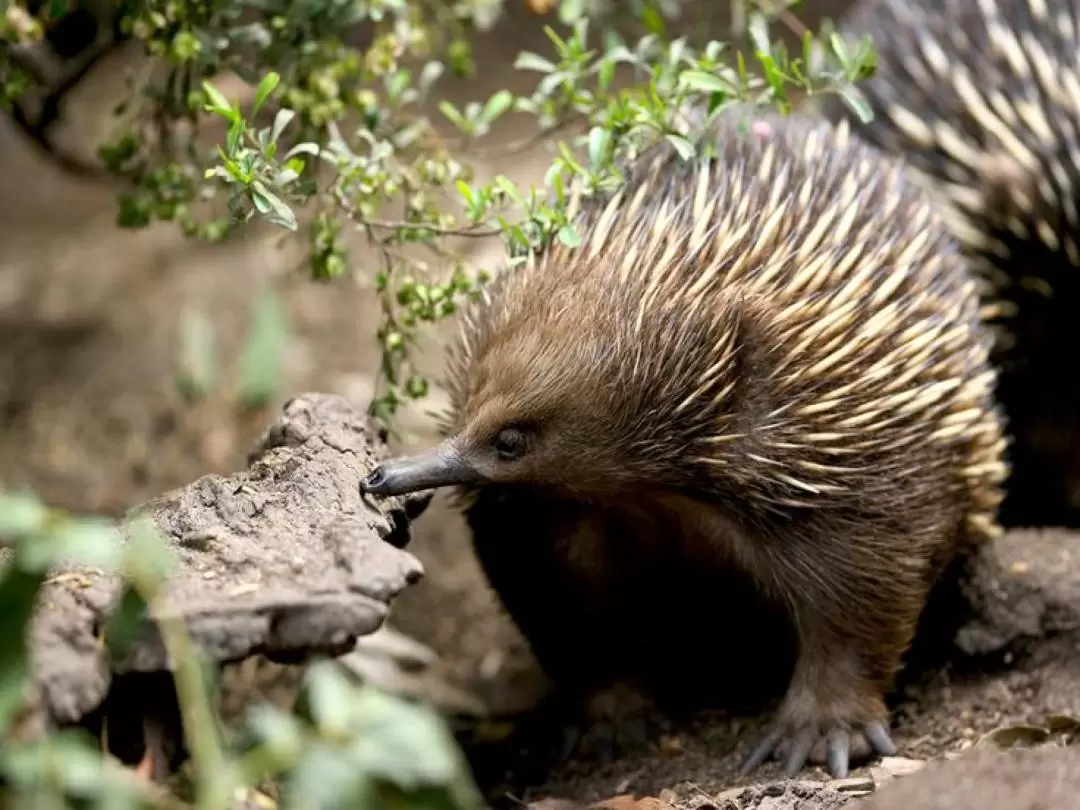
836,695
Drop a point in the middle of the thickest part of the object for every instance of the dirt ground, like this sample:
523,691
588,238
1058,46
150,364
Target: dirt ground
90,418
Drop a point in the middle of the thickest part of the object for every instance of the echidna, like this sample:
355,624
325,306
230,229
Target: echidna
982,99
768,360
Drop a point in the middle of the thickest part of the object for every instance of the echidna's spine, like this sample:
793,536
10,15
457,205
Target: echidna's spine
982,100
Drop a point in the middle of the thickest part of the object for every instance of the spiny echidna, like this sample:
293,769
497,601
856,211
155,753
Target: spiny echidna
768,359
982,100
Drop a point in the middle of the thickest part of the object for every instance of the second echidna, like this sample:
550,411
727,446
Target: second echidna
982,99
769,361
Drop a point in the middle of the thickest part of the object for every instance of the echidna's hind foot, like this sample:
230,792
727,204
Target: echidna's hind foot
796,746
829,716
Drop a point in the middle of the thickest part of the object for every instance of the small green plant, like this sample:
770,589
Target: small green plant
396,159
346,746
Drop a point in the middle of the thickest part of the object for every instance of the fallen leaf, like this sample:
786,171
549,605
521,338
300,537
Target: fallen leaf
853,784
671,746
896,767
1012,736
1063,724
554,804
628,802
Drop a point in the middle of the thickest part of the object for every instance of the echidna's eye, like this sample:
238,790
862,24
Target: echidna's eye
510,444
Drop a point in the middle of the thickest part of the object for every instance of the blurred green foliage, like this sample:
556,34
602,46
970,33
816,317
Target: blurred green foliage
346,746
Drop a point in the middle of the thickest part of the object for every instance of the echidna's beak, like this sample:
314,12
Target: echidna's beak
442,466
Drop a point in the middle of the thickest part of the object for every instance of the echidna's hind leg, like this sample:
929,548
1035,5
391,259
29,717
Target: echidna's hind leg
853,625
827,703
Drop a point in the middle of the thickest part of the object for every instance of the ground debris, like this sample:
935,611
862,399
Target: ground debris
793,795
989,779
624,802
284,559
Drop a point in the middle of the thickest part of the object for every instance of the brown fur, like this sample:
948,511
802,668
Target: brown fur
762,383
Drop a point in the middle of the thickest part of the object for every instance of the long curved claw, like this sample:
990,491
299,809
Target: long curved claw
838,752
799,742
762,751
800,750
878,736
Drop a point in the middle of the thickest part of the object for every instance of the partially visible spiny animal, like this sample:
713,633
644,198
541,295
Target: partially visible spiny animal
768,361
982,99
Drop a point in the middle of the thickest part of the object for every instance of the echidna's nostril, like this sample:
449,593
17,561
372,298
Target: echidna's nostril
375,479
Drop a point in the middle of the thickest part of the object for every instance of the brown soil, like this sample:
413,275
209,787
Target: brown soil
91,419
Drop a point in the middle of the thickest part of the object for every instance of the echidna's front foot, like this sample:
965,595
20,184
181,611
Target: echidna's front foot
615,721
809,729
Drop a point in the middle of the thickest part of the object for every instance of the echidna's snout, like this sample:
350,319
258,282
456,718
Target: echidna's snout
442,466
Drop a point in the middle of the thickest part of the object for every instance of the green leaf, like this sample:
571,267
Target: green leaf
857,103
497,105
327,778
281,120
18,597
682,146
454,116
509,189
409,746
328,696
532,61
266,87
218,103
758,29
429,75
236,132
705,82
599,146
284,177
261,361
148,559
278,731
839,47
125,623
569,236
653,22
272,207
75,541
14,691
21,515
306,148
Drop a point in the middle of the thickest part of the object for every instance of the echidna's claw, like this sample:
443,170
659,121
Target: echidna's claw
878,736
838,752
798,743
762,751
799,751
571,736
